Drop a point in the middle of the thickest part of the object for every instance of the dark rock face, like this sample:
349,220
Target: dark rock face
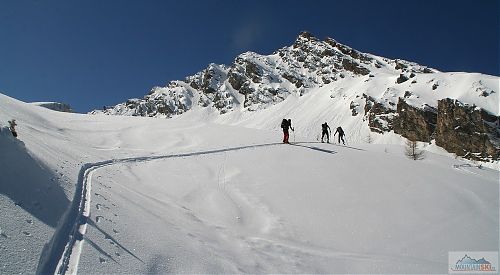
349,51
354,108
253,72
414,123
236,79
209,82
400,66
380,117
354,67
402,78
173,102
467,131
297,81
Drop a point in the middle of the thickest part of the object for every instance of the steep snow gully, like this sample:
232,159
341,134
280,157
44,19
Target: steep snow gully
63,252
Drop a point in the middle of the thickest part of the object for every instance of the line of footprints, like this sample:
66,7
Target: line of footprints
100,219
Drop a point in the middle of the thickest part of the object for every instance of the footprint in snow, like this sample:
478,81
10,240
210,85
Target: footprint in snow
116,231
29,221
99,206
117,254
102,260
98,218
27,233
99,195
104,185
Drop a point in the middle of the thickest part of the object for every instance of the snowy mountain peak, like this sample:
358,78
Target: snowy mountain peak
256,81
305,35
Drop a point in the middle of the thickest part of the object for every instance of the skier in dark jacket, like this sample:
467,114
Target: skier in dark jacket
341,134
12,127
325,132
285,124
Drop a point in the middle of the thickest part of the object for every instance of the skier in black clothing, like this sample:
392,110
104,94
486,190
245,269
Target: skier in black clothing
285,124
12,127
325,131
341,134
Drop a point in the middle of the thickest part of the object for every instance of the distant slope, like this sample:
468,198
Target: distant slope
55,106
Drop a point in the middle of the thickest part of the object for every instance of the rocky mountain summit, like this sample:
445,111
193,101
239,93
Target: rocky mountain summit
459,111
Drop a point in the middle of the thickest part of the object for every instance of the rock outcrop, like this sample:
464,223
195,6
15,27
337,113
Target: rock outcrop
415,123
467,131
380,117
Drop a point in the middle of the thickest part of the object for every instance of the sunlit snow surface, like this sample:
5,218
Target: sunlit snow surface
191,194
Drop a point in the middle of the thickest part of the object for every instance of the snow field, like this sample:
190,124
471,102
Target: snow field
174,197
246,211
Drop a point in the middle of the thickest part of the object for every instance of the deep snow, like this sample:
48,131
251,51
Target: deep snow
174,197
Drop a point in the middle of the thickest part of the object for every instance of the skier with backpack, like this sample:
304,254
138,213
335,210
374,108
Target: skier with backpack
285,124
341,134
325,130
12,127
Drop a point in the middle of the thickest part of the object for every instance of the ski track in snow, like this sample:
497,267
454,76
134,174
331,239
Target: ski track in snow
63,252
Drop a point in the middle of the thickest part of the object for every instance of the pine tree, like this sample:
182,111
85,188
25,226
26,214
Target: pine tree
413,150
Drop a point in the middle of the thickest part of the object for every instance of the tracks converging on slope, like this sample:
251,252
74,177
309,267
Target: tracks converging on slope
63,251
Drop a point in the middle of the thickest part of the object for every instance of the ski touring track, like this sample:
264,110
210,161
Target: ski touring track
62,253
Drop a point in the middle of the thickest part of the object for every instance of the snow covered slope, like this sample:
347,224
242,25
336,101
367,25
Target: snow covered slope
314,81
189,194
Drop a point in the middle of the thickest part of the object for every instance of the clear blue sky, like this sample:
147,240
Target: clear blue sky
93,53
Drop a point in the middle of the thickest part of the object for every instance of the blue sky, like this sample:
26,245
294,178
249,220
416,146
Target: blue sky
94,53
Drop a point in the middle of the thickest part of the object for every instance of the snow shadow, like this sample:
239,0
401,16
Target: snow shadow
338,145
28,183
96,247
109,237
316,148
